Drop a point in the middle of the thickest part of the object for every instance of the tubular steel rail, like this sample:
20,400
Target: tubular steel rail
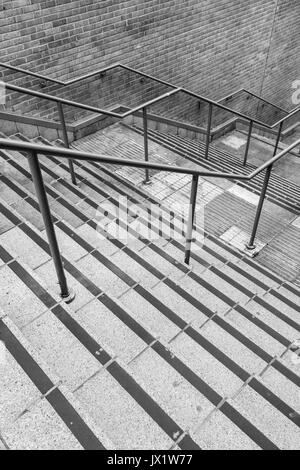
33,158
60,102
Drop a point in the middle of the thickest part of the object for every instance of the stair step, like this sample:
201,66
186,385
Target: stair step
172,309
56,335
210,305
38,412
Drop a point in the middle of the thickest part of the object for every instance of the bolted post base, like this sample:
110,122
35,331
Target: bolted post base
147,182
250,247
68,299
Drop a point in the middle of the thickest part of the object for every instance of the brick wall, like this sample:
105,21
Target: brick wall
283,58
212,47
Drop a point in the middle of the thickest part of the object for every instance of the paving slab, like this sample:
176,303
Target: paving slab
24,209
105,279
256,334
134,269
233,348
206,366
53,341
106,328
96,240
273,424
40,429
272,320
219,433
17,242
211,301
111,405
68,247
245,194
17,392
283,388
180,306
17,300
148,316
170,390
5,224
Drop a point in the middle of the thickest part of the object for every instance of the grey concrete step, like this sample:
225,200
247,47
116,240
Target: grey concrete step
172,356
48,275
37,410
102,385
162,292
215,302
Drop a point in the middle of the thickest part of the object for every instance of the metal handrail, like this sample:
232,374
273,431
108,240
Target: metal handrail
105,69
85,156
60,102
35,149
86,107
243,90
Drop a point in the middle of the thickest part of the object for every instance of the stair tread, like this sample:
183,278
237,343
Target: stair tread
151,311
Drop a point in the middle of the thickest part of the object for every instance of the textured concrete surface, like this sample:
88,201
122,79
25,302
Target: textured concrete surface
280,430
105,327
219,433
176,396
111,406
225,205
53,341
260,152
40,429
17,300
17,391
200,322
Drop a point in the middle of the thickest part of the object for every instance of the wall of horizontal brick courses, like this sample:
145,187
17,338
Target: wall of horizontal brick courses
211,47
283,58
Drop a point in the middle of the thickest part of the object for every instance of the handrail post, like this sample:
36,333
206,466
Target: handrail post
251,245
146,144
66,139
37,178
278,139
190,227
208,135
248,143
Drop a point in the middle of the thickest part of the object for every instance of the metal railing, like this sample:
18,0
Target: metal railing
35,150
60,103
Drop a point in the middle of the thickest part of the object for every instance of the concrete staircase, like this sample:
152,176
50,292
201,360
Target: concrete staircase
158,354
